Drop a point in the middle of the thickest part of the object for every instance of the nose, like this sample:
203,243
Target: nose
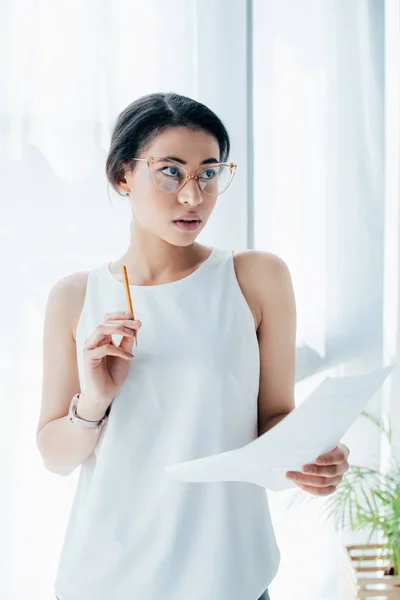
191,192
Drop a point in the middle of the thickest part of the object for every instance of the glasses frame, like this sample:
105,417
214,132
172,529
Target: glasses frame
152,159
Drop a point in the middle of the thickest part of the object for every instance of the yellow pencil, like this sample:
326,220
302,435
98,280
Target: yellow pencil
128,294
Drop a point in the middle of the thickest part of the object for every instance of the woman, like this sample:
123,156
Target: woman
212,368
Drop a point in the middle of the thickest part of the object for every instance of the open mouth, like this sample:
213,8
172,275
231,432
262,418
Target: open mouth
187,225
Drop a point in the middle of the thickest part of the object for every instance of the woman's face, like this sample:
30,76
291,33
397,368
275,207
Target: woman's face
154,209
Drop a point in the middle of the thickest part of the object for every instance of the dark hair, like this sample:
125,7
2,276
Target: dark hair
145,118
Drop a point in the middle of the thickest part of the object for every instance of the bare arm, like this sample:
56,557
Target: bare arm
62,445
277,340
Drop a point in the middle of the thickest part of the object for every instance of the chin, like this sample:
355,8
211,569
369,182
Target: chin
180,243
183,244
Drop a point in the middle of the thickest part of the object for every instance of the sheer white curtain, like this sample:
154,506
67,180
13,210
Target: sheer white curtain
319,202
308,107
319,172
391,315
67,69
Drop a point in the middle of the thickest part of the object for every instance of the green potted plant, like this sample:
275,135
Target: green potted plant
368,500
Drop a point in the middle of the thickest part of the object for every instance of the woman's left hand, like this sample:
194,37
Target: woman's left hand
322,477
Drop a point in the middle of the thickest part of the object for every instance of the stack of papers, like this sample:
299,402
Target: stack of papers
311,429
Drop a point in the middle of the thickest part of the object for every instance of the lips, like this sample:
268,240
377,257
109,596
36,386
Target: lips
187,225
188,217
187,220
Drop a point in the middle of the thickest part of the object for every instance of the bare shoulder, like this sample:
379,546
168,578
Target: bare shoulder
68,296
260,259
260,274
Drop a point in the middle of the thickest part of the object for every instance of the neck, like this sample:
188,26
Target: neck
150,259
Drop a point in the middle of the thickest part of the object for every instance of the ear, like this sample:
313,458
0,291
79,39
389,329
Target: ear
123,185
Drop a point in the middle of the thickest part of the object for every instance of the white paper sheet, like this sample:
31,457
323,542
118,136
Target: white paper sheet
313,428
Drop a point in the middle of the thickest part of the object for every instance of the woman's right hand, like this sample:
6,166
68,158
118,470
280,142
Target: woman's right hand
106,365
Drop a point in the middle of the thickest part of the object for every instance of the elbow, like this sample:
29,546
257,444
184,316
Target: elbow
49,465
60,470
269,423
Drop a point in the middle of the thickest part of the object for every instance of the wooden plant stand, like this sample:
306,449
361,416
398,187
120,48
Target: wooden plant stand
362,574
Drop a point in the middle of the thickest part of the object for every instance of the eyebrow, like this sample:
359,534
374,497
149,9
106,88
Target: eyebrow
207,161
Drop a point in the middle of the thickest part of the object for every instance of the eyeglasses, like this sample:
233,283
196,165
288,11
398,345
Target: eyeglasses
170,177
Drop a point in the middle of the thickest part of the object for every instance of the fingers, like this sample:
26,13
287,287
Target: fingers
124,319
335,457
109,349
118,315
105,330
127,323
315,480
315,491
342,451
118,323
329,471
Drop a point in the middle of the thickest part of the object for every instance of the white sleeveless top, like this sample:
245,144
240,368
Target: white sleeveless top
134,532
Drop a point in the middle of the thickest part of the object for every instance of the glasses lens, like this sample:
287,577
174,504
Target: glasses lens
166,176
215,179
169,177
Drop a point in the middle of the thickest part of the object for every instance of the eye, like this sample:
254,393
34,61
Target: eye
208,173
173,171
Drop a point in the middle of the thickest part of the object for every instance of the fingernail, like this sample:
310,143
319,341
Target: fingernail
128,314
291,474
321,461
